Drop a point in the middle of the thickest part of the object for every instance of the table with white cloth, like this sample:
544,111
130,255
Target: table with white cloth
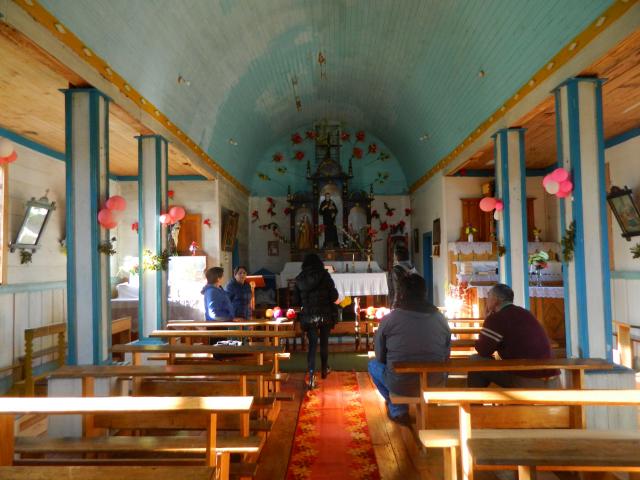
292,269
546,304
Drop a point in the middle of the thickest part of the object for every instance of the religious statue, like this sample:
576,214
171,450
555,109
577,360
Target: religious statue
329,212
174,233
304,240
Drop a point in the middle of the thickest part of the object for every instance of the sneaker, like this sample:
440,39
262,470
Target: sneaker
325,372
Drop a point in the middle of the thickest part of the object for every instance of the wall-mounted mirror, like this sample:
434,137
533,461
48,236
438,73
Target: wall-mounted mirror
33,223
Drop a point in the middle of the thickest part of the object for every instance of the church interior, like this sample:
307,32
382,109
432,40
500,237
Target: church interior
157,153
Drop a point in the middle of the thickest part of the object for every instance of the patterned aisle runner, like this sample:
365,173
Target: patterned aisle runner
332,436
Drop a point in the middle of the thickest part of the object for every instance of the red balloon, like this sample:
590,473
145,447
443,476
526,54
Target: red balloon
487,204
9,159
291,314
116,202
110,226
177,212
105,218
559,175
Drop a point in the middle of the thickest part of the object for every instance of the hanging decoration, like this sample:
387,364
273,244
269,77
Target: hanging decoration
360,136
373,149
356,153
381,177
278,157
264,177
407,212
487,204
109,215
155,262
345,136
135,226
107,247
384,226
568,242
281,170
176,213
207,222
299,155
375,214
287,211
170,194
558,183
272,205
322,61
390,210
255,216
275,229
311,134
296,138
8,152
635,250
116,202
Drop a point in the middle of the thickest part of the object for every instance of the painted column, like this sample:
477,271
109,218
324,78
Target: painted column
87,185
512,227
152,236
587,289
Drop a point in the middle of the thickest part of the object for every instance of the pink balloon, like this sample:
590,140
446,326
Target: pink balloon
563,194
110,226
552,187
165,219
105,218
487,204
559,175
116,202
566,186
499,205
10,158
177,212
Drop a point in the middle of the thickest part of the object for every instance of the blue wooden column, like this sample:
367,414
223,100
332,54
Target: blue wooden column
587,288
152,236
87,185
512,227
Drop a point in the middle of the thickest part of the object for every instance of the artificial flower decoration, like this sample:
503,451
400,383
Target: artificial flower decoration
296,138
299,155
372,232
135,226
381,177
375,214
373,148
278,157
407,212
281,170
345,136
287,211
170,194
277,312
360,136
384,226
264,177
255,216
207,222
384,156
357,152
272,205
311,134
390,210
193,248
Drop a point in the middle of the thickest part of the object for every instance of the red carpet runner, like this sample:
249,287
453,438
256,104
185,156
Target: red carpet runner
332,436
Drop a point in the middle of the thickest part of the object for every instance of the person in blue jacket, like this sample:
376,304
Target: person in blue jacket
239,292
217,307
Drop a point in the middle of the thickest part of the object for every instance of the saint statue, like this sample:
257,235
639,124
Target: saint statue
329,212
174,233
304,240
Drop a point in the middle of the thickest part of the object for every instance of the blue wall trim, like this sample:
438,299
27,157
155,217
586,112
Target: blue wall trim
573,102
25,142
623,137
32,287
604,236
625,275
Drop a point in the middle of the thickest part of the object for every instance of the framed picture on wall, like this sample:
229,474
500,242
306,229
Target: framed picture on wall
273,248
625,210
416,240
436,232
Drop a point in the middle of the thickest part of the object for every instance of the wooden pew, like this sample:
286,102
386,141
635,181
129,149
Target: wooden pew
572,449
206,408
182,325
577,368
29,379
108,473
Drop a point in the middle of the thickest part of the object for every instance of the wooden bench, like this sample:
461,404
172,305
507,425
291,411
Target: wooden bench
571,449
577,368
108,473
28,379
206,409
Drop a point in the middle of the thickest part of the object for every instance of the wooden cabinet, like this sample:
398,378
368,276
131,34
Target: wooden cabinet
483,221
190,231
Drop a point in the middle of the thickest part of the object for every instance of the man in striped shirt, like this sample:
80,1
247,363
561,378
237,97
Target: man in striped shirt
514,333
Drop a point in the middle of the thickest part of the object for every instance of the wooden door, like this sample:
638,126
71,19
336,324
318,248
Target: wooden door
190,231
472,215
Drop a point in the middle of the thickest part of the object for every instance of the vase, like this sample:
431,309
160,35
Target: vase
538,277
470,237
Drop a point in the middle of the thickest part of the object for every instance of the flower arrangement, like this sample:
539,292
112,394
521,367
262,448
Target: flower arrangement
470,230
153,262
107,247
538,260
193,248
536,234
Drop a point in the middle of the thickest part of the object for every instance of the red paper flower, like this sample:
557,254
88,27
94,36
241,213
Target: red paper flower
375,214
296,138
270,200
401,224
207,222
407,212
357,152
255,216
134,226
384,226
287,211
345,136
299,155
360,136
311,134
373,148
271,212
389,210
170,193
372,233
277,157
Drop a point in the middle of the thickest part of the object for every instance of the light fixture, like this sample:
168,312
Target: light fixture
233,142
183,81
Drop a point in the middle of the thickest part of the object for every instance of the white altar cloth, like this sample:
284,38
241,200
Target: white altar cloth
360,284
536,292
292,269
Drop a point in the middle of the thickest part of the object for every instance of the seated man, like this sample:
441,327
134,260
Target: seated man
514,333
414,332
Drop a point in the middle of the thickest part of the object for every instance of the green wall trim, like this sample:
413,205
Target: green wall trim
625,274
32,287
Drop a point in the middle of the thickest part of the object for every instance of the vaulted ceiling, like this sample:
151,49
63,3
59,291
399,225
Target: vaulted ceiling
419,74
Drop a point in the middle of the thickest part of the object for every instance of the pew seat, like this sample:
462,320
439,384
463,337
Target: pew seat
107,473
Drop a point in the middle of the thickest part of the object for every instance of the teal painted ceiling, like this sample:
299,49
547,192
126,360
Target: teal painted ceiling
398,69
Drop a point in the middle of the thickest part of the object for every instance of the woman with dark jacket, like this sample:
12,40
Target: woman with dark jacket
317,294
239,292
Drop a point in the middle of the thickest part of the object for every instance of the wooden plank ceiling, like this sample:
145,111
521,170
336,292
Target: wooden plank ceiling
32,106
621,108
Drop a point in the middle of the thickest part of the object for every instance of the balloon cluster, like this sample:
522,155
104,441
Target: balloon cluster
175,214
488,204
557,183
278,312
109,215
8,153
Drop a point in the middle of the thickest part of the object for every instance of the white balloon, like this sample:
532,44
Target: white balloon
497,215
6,147
552,187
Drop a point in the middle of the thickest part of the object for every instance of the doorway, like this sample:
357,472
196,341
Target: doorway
427,263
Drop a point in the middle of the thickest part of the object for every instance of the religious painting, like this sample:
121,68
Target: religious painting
229,229
273,248
625,210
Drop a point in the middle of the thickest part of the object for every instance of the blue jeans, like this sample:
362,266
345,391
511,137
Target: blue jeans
376,370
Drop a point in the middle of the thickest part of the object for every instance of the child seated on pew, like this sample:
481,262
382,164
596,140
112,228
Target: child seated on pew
217,306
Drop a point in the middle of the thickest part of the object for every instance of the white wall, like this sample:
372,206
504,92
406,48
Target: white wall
428,204
231,198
